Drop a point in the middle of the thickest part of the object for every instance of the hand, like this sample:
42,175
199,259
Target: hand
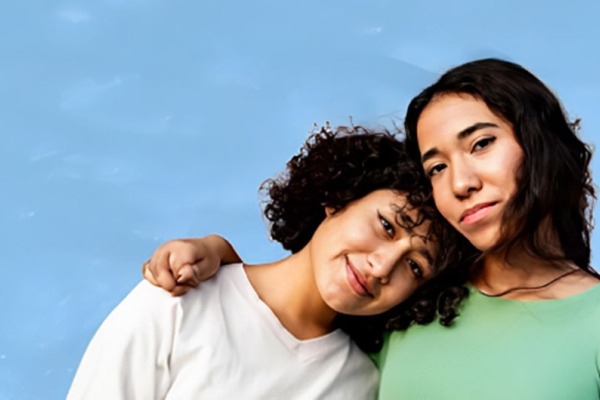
179,265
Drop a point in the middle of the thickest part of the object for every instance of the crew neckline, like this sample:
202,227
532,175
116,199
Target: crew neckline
473,290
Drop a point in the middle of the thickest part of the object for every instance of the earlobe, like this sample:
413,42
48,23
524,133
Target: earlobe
329,211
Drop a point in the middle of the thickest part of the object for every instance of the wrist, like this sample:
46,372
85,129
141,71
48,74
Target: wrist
222,249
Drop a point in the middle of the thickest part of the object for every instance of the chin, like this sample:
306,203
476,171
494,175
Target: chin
483,241
347,309
484,246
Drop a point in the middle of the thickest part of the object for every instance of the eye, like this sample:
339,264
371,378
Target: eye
415,268
387,226
436,169
483,143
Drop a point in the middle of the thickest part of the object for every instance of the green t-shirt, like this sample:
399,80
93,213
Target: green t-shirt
499,349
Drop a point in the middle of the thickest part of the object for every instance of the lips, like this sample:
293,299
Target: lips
476,213
357,281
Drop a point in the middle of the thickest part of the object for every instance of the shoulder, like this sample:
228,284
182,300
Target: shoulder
583,280
148,307
149,297
144,306
578,283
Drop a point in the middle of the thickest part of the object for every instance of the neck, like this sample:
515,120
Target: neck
288,287
517,267
523,276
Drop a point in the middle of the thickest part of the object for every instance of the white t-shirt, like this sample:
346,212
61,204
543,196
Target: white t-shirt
217,342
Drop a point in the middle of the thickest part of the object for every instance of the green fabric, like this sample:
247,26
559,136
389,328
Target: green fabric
499,349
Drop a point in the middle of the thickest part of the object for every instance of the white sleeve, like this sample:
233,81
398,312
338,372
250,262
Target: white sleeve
128,357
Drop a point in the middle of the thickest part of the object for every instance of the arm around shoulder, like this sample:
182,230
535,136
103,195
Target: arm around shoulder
181,264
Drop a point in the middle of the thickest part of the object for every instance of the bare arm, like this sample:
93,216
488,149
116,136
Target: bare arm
179,265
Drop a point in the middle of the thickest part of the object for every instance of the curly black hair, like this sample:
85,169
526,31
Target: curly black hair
336,167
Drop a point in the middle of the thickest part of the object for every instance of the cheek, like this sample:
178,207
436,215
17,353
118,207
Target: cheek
401,287
394,299
517,168
508,175
514,158
330,285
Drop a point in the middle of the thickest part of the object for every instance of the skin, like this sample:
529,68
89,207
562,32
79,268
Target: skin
360,261
364,261
180,265
472,158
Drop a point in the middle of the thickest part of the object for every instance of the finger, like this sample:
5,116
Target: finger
201,271
180,290
161,270
187,276
147,273
193,274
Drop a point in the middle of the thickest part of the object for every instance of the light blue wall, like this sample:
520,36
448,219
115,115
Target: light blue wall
125,123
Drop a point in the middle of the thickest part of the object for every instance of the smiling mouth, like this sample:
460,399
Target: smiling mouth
477,213
356,281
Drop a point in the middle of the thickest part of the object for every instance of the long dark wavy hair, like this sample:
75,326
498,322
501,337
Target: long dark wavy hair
337,167
554,185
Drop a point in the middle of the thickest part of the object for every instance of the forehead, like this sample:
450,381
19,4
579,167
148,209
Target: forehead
409,217
388,199
449,114
385,197
412,219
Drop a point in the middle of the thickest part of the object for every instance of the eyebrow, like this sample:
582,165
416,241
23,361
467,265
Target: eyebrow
400,214
427,254
460,136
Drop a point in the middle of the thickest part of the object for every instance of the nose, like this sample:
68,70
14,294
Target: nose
464,179
384,260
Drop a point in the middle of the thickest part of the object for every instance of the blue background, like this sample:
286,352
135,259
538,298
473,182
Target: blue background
125,123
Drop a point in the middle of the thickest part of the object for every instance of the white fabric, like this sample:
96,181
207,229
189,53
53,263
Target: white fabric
217,342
